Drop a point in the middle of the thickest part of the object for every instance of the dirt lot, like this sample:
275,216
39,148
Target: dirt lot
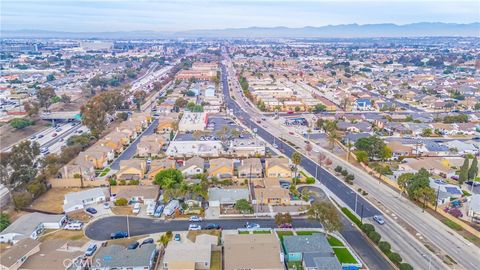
52,200
9,135
63,234
122,210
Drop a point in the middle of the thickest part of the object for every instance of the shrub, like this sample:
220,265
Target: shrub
366,228
374,236
4,221
395,258
20,123
134,182
344,172
112,182
77,175
384,247
338,169
310,180
364,193
405,266
350,177
22,199
121,202
123,182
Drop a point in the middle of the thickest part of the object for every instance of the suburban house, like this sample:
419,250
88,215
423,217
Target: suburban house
121,258
132,169
78,168
190,255
446,192
31,226
246,148
226,196
150,146
272,193
462,147
165,125
158,165
98,155
116,138
133,194
313,250
13,257
363,104
277,167
53,253
79,200
399,149
221,168
473,209
252,251
193,166
250,168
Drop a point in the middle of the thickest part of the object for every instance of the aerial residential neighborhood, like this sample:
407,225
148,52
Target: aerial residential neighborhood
175,135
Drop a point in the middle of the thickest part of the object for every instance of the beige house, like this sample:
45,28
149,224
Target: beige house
221,168
158,165
181,255
250,167
277,167
150,146
144,194
14,257
132,169
193,166
272,193
252,251
78,168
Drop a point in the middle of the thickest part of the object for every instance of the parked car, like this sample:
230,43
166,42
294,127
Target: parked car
91,210
147,241
212,226
41,136
194,227
159,210
379,219
176,237
91,249
195,219
136,208
119,234
106,205
76,226
133,245
54,135
285,226
252,225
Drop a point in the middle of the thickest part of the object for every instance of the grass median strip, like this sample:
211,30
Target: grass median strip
344,255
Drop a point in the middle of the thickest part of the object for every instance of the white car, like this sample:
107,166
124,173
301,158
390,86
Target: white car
106,205
194,227
73,226
275,145
136,208
195,219
379,219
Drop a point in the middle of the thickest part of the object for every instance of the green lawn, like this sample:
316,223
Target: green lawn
216,261
243,232
334,242
295,265
306,232
344,256
261,232
351,216
452,225
281,234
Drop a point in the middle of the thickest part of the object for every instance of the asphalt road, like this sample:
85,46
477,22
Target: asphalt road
102,228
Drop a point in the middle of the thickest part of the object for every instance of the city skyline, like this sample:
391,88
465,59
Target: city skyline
111,16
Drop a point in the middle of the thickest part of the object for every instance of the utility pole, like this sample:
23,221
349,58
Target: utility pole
356,201
436,201
128,227
361,214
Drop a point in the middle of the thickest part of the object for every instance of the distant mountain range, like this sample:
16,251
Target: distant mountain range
423,29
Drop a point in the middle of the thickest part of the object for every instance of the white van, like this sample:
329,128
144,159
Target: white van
73,226
151,209
136,208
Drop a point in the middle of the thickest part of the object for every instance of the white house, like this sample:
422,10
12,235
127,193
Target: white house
78,200
194,148
31,225
192,121
193,166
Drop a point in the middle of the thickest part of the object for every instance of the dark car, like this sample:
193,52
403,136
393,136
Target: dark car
91,210
212,226
147,241
119,234
133,245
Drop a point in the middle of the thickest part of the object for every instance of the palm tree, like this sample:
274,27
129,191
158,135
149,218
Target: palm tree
296,159
332,139
349,150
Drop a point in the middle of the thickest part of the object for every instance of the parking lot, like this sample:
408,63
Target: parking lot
215,124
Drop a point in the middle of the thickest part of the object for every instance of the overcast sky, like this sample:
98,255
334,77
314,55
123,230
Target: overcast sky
169,15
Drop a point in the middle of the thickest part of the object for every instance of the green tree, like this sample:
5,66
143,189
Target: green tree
403,180
374,236
405,266
473,171
384,247
395,258
243,206
463,176
427,132
362,156
65,99
121,202
20,123
296,159
31,107
4,221
168,178
326,214
374,146
45,95
281,218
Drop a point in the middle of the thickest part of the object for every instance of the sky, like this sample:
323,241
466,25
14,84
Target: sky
180,15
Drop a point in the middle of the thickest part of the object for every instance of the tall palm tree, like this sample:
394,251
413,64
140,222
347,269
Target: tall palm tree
332,139
296,159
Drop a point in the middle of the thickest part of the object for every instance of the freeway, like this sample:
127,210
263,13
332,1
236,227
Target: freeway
101,228
340,190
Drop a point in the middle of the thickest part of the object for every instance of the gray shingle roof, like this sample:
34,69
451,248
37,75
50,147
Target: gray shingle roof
227,196
306,243
118,256
321,261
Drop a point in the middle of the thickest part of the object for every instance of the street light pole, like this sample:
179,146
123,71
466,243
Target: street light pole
128,228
